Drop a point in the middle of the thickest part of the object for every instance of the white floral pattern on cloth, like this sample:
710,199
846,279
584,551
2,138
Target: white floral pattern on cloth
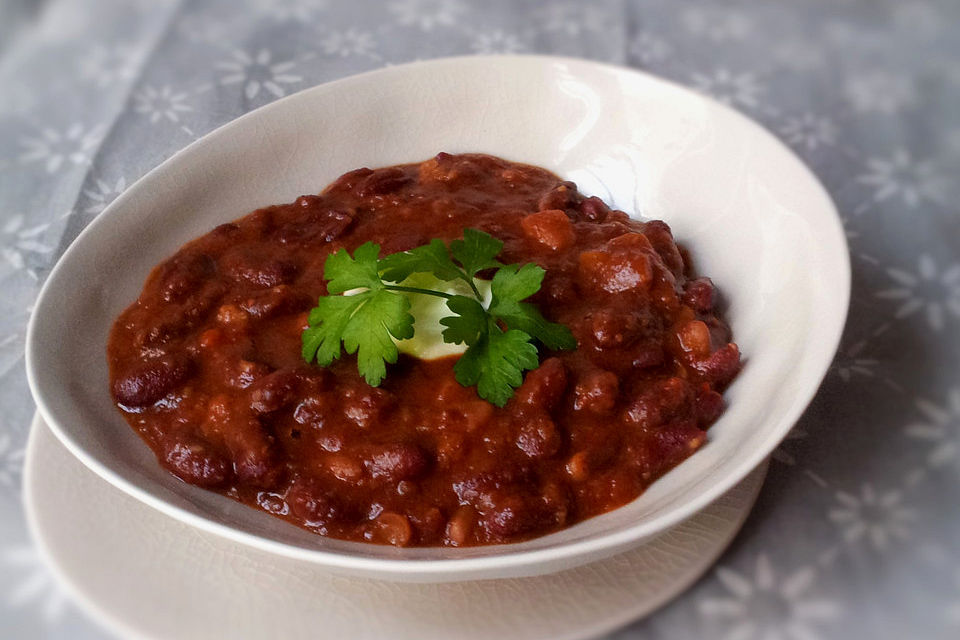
940,428
809,131
351,42
161,103
880,518
761,606
881,92
258,71
929,290
903,177
849,363
56,147
20,242
93,92
103,193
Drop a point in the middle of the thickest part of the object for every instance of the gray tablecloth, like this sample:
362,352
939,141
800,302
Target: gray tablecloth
857,531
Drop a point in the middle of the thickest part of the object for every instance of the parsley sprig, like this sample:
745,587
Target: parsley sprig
368,309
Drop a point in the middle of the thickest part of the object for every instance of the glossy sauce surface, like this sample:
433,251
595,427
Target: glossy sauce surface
206,364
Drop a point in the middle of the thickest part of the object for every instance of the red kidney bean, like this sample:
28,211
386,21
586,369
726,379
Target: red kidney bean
263,222
160,333
557,288
563,196
699,295
594,209
150,380
578,466
350,179
312,503
227,229
675,441
694,339
322,223
195,461
401,461
312,410
543,387
257,466
365,405
183,273
178,318
556,503
344,467
709,406
596,392
460,526
471,486
659,402
509,515
275,301
538,437
612,328
198,305
382,182
243,373
245,267
275,391
391,528
721,366
428,523
252,449
661,238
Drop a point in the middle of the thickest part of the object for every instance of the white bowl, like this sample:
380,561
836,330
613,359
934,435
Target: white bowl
755,219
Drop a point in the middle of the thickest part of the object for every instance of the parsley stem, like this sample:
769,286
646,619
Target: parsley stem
429,292
473,286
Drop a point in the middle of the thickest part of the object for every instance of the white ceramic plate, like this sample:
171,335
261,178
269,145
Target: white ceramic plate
144,575
755,218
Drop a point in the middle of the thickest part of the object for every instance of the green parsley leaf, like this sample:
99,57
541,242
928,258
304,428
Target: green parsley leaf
433,258
344,273
468,325
514,282
496,364
510,285
527,318
366,322
328,320
368,334
477,251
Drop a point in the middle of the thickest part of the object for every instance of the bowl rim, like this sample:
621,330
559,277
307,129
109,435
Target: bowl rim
494,564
